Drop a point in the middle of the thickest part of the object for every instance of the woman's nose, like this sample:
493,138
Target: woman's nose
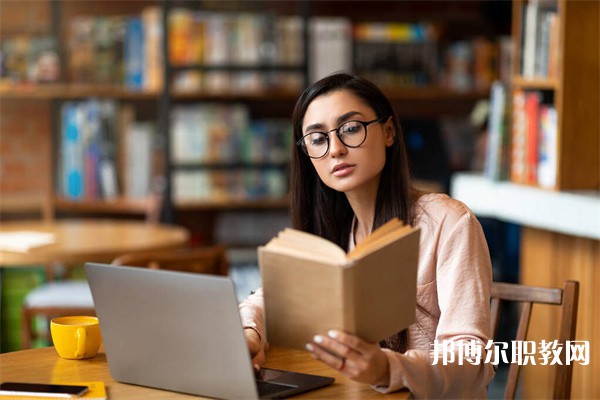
336,147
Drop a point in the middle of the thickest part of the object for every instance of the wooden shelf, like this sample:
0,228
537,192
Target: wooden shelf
534,83
14,204
114,206
71,91
78,91
265,94
434,93
265,203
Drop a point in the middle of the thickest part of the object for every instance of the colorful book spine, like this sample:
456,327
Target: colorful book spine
548,163
496,131
72,151
519,138
532,112
134,57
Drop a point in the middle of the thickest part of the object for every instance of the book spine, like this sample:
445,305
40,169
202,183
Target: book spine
496,128
532,113
519,132
153,67
73,150
134,53
330,46
548,148
529,39
553,45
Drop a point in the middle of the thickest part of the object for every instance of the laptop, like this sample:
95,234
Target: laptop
182,332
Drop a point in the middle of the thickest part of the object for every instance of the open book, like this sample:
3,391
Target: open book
311,285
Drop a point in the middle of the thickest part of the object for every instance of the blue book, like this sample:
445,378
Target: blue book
133,53
72,146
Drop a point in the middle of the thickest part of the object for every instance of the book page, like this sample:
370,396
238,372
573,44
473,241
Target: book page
392,229
277,245
312,243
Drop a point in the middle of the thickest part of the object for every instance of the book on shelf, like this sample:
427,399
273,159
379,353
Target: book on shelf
28,58
518,163
548,149
230,184
539,38
72,151
532,117
138,146
396,54
133,53
153,57
311,285
330,46
495,166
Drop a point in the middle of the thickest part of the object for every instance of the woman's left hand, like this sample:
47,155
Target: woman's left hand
352,356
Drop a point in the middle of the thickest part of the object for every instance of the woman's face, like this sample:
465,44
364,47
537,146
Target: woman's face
347,169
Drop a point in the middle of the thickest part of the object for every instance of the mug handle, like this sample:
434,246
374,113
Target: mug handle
81,336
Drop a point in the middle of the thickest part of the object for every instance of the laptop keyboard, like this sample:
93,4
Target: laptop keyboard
268,388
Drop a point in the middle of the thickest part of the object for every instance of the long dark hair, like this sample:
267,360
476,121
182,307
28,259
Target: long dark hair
318,209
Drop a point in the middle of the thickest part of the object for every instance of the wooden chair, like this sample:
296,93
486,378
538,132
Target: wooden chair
567,298
207,260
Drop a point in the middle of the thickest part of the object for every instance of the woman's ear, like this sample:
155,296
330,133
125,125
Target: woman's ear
390,132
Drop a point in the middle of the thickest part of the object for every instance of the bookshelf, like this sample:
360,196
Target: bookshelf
157,102
570,87
550,255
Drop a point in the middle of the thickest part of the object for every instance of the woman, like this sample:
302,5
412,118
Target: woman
349,175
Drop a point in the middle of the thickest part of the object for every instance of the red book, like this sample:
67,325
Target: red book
532,114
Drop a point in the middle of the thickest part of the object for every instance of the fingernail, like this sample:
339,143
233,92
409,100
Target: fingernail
256,367
318,339
309,347
332,334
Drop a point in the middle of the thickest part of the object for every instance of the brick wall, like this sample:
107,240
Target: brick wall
25,125
25,130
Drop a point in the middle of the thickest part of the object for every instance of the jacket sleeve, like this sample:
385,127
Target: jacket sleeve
463,280
253,316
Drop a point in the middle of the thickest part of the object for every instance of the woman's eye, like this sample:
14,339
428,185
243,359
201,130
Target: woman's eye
351,128
318,140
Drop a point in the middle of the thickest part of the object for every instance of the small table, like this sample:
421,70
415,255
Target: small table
78,241
45,366
97,240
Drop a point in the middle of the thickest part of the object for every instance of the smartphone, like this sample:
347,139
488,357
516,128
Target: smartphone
41,389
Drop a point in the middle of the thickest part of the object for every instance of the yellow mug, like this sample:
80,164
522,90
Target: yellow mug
76,337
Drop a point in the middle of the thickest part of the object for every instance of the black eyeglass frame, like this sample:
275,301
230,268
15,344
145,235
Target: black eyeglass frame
300,142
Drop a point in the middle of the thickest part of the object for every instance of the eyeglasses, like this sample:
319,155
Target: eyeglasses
351,134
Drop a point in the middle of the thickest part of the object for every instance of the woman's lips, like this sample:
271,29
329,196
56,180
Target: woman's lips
341,170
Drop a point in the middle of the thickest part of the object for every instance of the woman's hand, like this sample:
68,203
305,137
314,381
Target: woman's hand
352,356
257,350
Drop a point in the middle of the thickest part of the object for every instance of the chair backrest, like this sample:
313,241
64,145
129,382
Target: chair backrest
567,298
206,260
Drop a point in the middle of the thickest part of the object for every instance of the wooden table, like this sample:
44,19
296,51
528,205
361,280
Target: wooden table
78,241
45,366
97,240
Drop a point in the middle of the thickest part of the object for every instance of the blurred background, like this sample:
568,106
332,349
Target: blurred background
105,105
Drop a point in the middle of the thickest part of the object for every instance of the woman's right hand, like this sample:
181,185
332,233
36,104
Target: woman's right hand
257,350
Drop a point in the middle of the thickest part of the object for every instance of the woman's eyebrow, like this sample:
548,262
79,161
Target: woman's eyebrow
340,120
345,116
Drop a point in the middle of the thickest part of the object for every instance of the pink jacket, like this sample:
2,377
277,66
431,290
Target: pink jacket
453,307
